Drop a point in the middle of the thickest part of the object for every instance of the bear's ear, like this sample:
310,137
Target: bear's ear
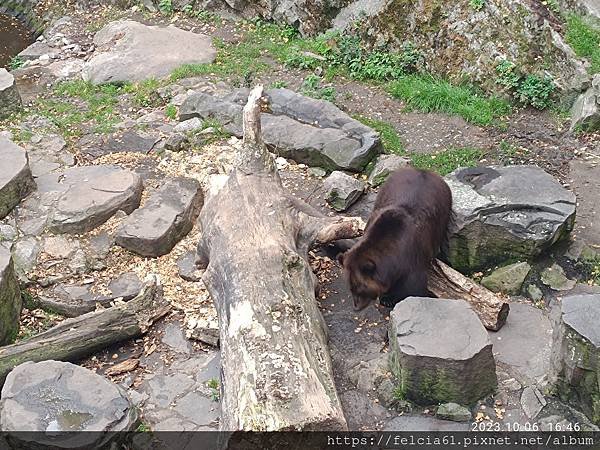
389,221
368,267
340,258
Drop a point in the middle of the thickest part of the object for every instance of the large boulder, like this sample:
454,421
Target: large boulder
82,198
164,220
503,213
16,180
10,100
585,113
10,299
440,352
130,51
53,397
576,353
306,130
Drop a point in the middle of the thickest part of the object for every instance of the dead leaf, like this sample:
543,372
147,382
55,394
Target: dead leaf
125,366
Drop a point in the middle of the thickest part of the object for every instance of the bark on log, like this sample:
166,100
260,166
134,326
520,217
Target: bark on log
445,282
74,339
276,369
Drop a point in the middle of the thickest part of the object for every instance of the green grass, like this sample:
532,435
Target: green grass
143,428
446,161
583,35
171,112
144,93
81,104
429,94
389,136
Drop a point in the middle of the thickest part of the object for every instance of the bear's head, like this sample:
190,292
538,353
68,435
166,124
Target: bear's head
367,265
360,272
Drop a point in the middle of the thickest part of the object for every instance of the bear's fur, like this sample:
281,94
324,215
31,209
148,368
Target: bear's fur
406,230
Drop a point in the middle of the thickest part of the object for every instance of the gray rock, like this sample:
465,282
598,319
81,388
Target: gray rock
15,177
175,339
524,342
554,277
317,172
504,213
576,352
534,293
585,113
306,130
176,142
8,232
368,375
130,51
532,402
47,154
72,300
186,267
386,393
131,141
165,219
206,335
189,125
10,299
440,351
25,253
10,100
53,397
359,409
507,279
454,412
384,166
37,50
342,190
423,423
85,197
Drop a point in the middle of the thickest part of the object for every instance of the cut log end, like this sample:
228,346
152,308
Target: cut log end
445,282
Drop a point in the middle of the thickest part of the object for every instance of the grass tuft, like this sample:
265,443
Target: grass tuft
429,94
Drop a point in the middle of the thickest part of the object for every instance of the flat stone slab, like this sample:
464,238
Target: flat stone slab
16,180
10,100
507,279
82,198
306,130
524,342
164,220
423,423
503,213
129,141
130,51
71,300
54,397
440,352
584,176
48,153
10,299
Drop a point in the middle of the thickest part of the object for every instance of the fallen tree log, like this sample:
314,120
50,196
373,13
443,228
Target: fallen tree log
74,339
445,282
276,368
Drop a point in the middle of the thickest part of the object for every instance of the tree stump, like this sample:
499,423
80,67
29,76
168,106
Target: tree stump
276,368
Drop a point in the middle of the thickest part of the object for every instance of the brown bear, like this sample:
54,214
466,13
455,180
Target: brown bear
406,230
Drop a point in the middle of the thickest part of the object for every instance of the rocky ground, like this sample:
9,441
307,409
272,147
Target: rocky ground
74,258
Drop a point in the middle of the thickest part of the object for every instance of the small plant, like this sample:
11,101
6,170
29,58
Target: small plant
477,5
536,91
507,151
144,93
530,89
279,84
16,62
143,428
166,7
214,386
188,10
171,112
399,393
552,5
312,87
507,75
